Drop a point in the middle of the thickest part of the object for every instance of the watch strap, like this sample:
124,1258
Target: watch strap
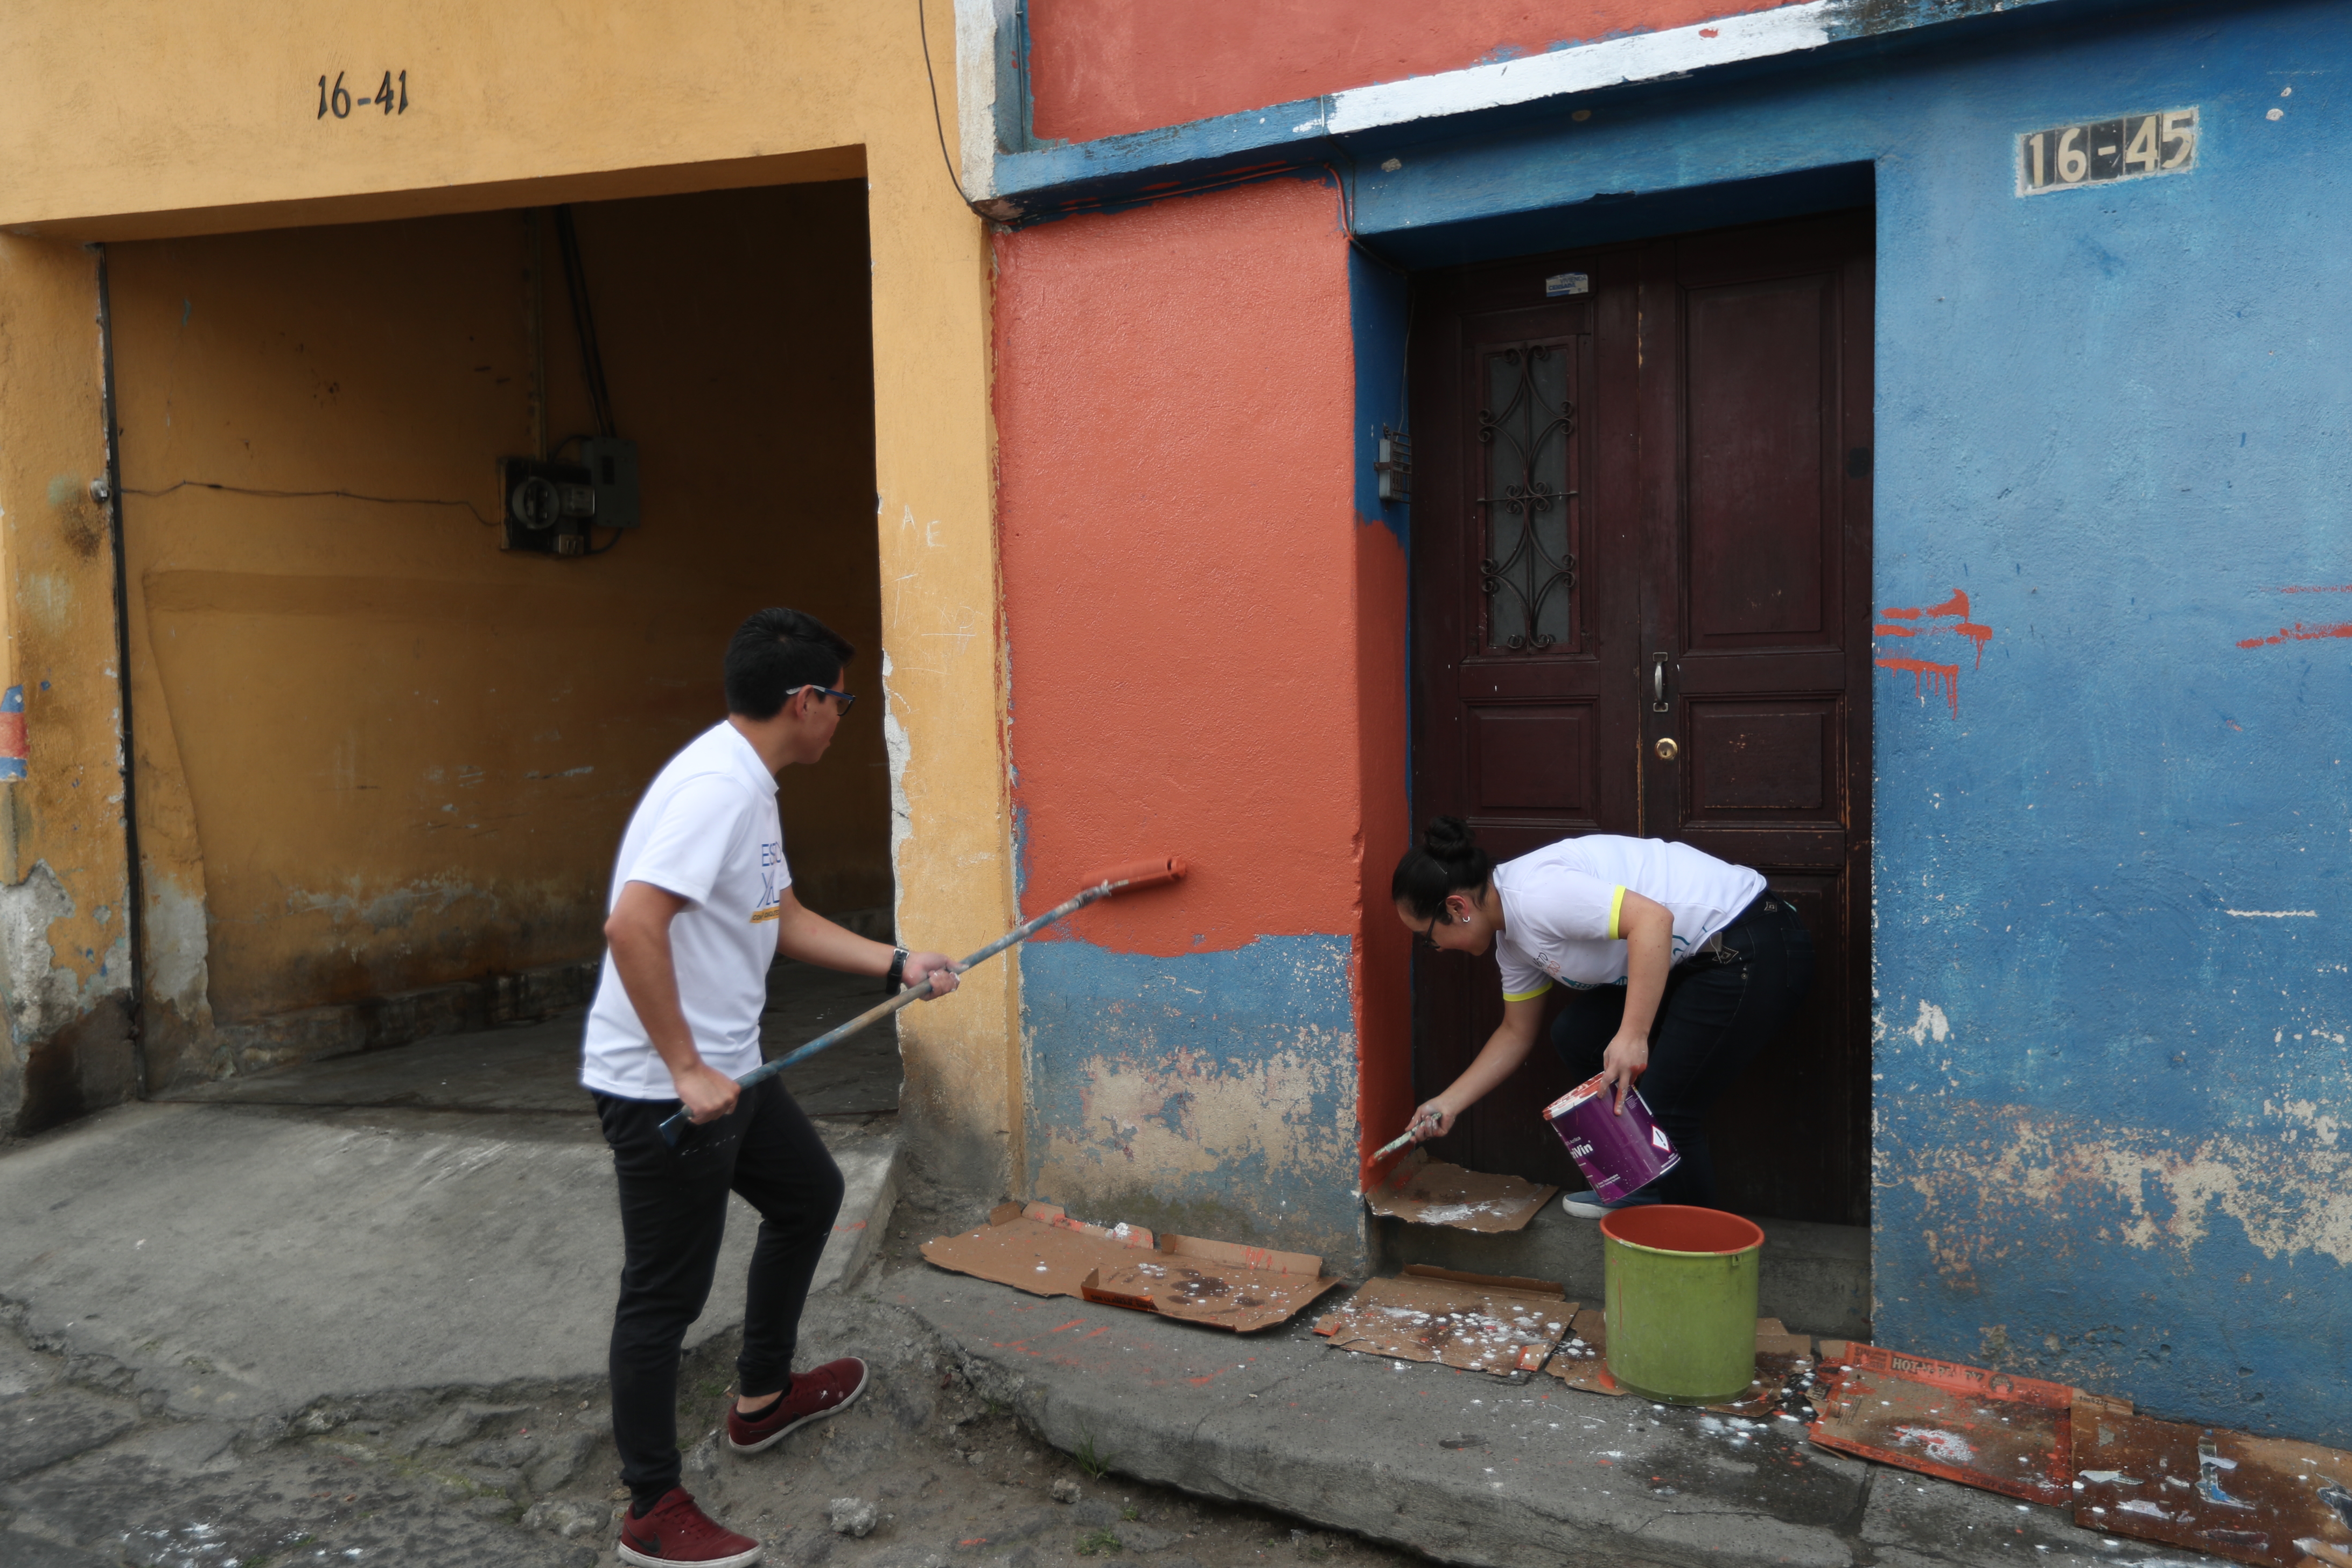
897,978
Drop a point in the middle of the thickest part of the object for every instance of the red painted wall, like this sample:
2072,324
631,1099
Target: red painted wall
1174,414
1205,643
1101,68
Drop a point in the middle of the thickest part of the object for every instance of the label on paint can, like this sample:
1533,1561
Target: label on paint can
1618,1153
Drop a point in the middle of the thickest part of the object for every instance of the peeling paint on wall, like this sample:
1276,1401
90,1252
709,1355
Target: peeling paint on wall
42,995
175,949
2141,1187
68,1036
1211,1093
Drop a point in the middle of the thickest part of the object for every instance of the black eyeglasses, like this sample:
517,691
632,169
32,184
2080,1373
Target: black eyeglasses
1422,936
846,698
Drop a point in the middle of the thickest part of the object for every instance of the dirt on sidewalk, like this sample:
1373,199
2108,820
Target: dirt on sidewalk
525,1476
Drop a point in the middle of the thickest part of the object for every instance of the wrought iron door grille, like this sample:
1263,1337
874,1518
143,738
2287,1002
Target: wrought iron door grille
1529,571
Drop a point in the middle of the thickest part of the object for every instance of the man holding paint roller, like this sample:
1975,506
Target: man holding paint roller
701,904
1684,966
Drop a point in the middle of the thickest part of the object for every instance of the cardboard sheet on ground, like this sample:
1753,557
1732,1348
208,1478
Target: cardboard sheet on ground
1966,1424
1477,1323
1422,1191
1582,1363
1214,1282
2254,1499
1038,1248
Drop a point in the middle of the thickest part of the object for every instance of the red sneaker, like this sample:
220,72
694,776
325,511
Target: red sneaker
815,1394
676,1534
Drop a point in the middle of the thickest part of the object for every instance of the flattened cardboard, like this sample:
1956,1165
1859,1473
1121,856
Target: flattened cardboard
1477,1322
1966,1424
1422,1191
1038,1248
1582,1363
2252,1500
1220,1283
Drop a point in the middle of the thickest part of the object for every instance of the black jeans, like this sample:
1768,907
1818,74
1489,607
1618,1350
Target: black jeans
1719,1012
673,1217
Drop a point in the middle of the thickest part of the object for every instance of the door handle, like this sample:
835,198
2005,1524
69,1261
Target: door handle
1658,703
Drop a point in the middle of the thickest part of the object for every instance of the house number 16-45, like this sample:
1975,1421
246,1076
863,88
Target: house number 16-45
2100,151
391,96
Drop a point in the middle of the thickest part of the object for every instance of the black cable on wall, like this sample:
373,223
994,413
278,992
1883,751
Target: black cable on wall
134,914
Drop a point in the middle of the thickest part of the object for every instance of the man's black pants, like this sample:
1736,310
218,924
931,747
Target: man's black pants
1719,1012
673,1217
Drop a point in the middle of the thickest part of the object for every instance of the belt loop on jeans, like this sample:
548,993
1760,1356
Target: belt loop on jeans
1761,904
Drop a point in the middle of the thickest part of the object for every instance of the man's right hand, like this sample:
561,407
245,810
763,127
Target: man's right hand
706,1093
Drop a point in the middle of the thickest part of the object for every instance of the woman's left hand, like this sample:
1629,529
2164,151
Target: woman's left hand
1625,1060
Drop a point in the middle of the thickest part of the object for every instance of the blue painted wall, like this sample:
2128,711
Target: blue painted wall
2114,1093
1377,321
1210,1094
2113,1096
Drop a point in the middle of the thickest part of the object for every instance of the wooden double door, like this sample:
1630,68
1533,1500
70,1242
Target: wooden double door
1641,557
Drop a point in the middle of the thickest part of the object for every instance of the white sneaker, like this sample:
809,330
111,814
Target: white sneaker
1588,1205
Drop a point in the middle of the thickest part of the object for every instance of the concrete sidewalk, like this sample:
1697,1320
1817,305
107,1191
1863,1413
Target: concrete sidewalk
436,1216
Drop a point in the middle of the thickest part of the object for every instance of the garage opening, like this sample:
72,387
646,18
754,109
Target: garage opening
385,739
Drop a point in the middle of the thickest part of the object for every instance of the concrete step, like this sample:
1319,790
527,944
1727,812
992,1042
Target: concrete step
1519,1472
869,1174
1814,1277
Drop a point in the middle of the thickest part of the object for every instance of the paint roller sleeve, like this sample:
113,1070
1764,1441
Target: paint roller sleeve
1142,874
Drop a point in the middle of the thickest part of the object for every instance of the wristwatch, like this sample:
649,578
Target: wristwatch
892,980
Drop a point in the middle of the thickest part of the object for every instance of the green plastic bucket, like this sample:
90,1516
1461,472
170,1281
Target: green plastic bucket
1681,1285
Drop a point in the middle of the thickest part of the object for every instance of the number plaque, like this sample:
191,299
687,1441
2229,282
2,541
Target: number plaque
2101,151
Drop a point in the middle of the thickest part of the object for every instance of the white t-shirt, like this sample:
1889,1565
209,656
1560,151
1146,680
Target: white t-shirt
1560,906
708,831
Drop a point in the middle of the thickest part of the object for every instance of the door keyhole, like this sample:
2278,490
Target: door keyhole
1667,750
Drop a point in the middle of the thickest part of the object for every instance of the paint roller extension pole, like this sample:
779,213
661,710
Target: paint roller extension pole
1125,879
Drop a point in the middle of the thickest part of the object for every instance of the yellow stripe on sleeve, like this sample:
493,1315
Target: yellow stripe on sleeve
1616,909
1526,996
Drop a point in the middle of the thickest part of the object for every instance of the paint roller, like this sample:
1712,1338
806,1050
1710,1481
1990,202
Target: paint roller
1122,880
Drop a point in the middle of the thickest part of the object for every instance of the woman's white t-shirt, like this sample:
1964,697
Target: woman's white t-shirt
707,831
1560,906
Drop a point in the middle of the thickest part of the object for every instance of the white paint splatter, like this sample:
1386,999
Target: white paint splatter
1644,56
1944,1448
1931,1022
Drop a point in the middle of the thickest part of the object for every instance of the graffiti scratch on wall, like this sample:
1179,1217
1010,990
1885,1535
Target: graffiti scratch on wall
1948,618
2300,631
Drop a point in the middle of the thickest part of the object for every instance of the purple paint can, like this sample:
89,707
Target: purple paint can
1618,1154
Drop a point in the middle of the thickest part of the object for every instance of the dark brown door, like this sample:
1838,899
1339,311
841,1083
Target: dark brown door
1641,578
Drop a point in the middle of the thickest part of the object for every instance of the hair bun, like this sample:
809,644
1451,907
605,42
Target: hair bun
1449,839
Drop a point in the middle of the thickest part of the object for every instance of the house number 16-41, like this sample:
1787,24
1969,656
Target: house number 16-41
391,96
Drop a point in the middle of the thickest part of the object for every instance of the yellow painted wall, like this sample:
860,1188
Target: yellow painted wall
64,951
534,101
377,753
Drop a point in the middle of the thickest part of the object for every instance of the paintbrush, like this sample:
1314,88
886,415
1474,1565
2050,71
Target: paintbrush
1402,1139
